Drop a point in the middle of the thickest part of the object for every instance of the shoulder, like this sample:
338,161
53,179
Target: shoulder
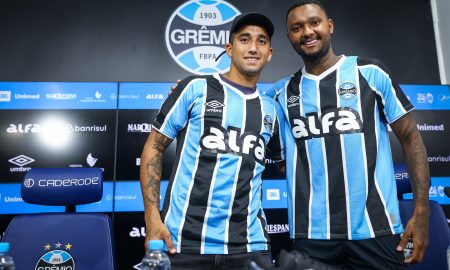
278,86
191,79
189,84
372,63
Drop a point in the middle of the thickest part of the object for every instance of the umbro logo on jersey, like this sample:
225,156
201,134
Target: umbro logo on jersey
219,140
293,101
347,90
335,121
214,106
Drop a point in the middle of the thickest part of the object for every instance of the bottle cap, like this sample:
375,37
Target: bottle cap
156,245
4,247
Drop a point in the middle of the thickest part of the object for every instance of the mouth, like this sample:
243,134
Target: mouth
310,42
251,59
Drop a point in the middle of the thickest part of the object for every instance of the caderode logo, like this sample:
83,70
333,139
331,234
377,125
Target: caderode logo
196,34
28,183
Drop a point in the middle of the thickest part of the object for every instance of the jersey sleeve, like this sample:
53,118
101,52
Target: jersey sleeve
276,87
174,113
393,101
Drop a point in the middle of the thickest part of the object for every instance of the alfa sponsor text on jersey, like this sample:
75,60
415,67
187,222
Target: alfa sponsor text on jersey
341,181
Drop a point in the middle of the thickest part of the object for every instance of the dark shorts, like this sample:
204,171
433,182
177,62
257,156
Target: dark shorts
376,253
183,261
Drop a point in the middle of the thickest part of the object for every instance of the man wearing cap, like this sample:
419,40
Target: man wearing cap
212,215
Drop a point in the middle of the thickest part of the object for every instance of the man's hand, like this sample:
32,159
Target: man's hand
417,230
417,162
157,230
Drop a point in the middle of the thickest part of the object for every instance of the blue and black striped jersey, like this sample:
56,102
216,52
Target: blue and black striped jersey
213,201
341,181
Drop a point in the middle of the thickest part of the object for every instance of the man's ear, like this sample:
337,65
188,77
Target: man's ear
270,55
331,24
228,48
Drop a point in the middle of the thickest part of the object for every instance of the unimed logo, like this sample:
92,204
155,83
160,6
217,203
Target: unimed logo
196,34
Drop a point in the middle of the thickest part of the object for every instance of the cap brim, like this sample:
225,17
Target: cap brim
253,19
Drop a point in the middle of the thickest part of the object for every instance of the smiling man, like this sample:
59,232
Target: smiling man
212,216
342,199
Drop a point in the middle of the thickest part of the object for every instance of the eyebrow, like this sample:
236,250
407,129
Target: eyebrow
246,34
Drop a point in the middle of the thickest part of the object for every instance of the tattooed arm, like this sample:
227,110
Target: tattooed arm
150,177
416,159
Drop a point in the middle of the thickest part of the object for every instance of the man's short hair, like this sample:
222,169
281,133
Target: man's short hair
299,3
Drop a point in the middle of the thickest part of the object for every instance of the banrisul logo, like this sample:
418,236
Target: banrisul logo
196,34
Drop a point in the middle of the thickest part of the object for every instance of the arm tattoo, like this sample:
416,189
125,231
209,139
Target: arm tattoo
416,158
161,142
419,171
154,169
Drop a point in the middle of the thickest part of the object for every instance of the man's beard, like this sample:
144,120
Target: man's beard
313,57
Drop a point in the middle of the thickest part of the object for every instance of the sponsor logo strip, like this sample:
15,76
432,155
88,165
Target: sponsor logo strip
58,95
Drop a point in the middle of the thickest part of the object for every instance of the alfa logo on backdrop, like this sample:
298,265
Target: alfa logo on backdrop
196,34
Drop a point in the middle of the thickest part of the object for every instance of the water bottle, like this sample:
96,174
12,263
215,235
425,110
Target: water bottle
448,258
6,261
155,258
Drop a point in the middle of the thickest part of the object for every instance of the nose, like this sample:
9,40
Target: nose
307,30
252,47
